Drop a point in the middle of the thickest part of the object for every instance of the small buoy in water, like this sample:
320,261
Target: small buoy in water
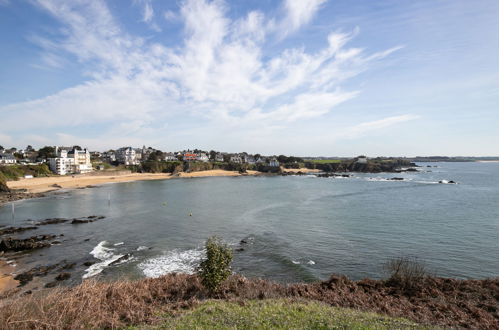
164,204
190,214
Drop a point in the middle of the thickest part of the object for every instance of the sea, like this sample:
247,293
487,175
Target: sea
282,228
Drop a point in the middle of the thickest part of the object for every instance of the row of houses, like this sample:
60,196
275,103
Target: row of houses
134,156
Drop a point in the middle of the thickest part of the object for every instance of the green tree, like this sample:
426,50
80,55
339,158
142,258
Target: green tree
215,268
46,152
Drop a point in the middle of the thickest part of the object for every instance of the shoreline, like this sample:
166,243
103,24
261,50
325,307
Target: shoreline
56,183
7,281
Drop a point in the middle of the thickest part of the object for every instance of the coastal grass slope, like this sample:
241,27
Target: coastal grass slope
177,298
279,314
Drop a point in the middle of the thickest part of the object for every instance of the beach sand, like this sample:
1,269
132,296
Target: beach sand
303,170
40,185
7,281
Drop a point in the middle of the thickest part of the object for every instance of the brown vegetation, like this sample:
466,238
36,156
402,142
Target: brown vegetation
445,302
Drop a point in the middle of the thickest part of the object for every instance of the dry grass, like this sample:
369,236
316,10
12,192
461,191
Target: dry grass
445,302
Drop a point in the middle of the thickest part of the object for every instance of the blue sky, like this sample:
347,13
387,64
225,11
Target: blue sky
301,77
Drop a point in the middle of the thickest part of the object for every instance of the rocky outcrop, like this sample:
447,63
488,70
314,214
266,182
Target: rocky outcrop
9,244
374,166
41,271
12,230
91,218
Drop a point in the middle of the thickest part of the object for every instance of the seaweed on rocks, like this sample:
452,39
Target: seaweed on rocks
18,244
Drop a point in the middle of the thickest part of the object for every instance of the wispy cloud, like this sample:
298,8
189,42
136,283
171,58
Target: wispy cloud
364,128
221,74
298,13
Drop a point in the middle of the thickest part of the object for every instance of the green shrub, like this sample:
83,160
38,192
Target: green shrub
215,268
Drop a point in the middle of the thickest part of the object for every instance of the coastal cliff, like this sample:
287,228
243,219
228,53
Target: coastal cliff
371,166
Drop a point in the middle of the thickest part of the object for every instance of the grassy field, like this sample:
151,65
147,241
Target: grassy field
323,161
280,314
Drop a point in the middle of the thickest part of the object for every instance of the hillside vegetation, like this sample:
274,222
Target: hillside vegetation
14,172
435,301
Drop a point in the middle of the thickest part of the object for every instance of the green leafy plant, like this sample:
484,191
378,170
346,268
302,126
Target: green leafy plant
215,268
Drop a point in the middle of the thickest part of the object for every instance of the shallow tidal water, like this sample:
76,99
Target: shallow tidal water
296,228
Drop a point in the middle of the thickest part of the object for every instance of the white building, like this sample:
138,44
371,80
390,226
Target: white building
202,157
73,162
170,157
236,159
362,160
219,157
273,162
7,158
127,156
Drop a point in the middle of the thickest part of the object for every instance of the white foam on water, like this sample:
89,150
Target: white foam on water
295,262
142,248
175,261
120,243
311,262
104,254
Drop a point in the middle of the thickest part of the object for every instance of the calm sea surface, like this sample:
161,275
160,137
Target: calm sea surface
297,228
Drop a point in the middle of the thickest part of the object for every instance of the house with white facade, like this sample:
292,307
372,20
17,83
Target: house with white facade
219,157
6,158
236,159
202,157
170,157
273,162
81,160
127,156
70,162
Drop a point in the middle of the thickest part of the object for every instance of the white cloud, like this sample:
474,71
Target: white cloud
364,128
298,13
170,16
220,75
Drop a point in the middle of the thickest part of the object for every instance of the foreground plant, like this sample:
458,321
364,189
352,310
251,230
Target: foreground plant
215,269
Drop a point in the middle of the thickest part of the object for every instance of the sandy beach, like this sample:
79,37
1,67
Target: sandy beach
303,170
7,282
40,185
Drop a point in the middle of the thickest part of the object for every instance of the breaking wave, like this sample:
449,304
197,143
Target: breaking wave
175,261
103,253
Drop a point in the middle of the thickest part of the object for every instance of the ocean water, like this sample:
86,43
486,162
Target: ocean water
296,228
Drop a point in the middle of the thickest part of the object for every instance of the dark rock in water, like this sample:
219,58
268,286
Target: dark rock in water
88,263
56,242
86,240
123,258
243,241
452,181
91,218
24,278
240,249
411,170
11,230
39,271
51,284
397,179
31,243
69,266
51,221
63,276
